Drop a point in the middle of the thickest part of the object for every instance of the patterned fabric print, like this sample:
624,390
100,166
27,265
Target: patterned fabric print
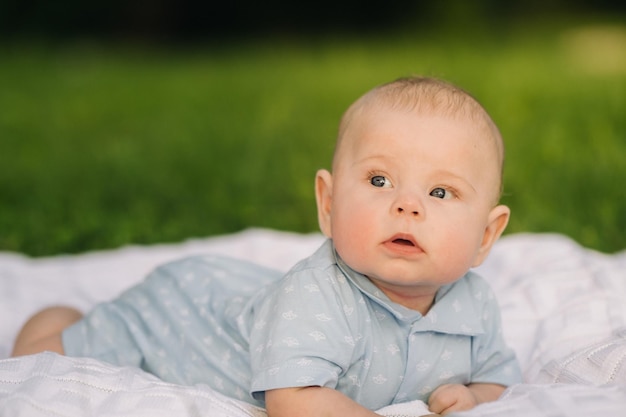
180,324
233,325
334,328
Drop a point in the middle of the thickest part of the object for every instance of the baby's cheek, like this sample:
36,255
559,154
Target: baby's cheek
459,252
352,229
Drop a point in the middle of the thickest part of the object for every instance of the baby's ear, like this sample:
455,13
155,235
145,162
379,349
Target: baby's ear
497,221
323,196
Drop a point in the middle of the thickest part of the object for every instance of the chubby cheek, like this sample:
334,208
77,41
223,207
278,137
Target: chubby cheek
458,250
352,233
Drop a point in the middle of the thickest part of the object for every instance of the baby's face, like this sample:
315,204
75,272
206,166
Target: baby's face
411,198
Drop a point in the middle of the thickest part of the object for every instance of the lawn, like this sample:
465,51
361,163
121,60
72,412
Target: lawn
108,144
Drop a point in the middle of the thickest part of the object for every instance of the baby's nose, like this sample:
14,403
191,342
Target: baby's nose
408,210
407,202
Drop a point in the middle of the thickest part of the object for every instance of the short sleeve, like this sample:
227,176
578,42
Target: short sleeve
493,361
298,334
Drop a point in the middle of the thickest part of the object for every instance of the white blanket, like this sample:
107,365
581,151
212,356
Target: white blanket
563,307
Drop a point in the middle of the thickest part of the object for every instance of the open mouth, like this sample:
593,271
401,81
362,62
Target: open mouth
404,245
403,242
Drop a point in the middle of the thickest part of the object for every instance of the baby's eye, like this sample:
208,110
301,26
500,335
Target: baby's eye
380,181
441,193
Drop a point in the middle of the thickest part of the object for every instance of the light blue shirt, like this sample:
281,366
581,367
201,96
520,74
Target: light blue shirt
241,329
326,325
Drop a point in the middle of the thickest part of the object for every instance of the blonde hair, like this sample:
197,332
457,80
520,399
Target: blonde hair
424,95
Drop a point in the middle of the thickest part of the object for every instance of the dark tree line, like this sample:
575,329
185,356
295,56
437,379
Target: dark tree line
189,18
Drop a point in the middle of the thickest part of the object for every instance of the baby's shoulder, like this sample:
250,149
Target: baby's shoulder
317,273
476,288
320,264
474,279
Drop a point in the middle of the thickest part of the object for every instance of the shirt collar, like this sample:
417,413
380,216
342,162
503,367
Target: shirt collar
443,316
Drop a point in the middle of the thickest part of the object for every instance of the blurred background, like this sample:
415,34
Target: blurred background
156,121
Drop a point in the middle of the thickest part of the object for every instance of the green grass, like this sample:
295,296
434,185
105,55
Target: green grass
104,145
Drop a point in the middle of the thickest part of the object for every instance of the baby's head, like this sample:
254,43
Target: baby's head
412,199
428,96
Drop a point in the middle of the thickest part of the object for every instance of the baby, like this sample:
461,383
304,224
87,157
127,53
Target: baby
385,311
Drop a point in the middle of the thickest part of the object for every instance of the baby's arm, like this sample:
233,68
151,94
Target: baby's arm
456,397
312,401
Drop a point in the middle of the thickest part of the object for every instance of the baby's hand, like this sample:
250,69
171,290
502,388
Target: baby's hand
452,397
